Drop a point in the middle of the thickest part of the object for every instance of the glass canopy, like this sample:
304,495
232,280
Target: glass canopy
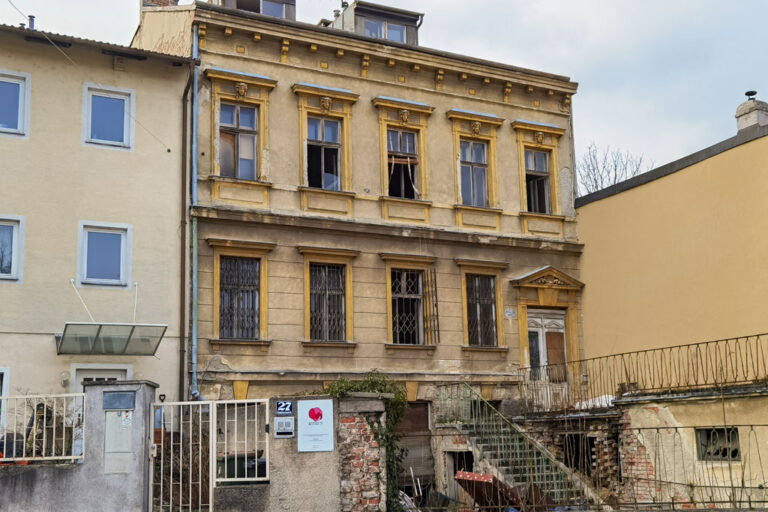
88,338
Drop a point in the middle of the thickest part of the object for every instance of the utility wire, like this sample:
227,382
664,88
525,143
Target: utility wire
89,77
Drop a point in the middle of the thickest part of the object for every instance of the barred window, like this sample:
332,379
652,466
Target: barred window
414,307
718,444
239,297
481,310
238,134
402,164
327,309
537,181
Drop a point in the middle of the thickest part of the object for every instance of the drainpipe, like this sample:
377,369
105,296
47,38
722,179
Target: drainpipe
194,393
183,246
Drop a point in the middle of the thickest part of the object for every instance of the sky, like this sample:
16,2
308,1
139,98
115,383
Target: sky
657,78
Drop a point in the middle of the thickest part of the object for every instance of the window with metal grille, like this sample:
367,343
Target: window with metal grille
323,148
402,164
327,307
239,297
238,137
474,173
537,181
718,444
414,307
481,310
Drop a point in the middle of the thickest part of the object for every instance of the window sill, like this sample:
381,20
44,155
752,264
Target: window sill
488,209
468,350
109,284
8,277
344,193
308,345
538,215
420,202
107,144
391,347
225,179
217,343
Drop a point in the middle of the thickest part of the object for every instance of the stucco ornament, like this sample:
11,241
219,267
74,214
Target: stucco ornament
325,103
549,281
241,89
539,137
404,113
475,127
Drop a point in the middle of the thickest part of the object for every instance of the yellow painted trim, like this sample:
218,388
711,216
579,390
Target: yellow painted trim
343,116
240,389
407,262
393,104
490,212
317,90
421,135
472,116
553,134
261,102
559,219
486,268
333,256
260,186
306,192
246,249
550,273
232,76
490,140
387,201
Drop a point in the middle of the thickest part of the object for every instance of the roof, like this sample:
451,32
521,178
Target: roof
66,40
386,8
744,136
205,6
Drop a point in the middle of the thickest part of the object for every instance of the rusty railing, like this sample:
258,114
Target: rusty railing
595,383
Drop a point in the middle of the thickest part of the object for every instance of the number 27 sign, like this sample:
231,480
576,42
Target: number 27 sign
284,408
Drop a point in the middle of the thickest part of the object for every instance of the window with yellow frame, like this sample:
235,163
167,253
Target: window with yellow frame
324,128
239,289
402,132
474,147
537,145
482,303
239,108
328,305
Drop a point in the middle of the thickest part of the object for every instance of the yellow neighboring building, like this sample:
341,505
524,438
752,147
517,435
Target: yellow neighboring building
364,203
90,213
674,256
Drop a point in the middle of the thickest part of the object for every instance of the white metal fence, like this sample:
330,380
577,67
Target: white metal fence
36,428
201,445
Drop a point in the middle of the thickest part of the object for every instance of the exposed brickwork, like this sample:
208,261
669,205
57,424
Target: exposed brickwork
160,3
636,466
362,461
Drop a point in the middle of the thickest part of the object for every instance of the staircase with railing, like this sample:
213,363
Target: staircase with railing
510,455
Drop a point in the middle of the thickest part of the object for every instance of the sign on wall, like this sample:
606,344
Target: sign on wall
315,425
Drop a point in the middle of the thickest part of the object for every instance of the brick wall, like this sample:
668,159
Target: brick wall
362,464
160,3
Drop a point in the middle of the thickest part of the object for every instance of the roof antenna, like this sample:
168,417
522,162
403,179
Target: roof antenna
750,94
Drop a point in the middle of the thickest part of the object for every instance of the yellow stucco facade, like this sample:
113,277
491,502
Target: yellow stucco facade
56,182
678,259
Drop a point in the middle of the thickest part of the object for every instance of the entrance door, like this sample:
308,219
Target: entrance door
547,358
97,375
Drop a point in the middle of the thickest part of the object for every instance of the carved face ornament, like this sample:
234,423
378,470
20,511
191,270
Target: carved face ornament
241,89
325,103
475,127
404,113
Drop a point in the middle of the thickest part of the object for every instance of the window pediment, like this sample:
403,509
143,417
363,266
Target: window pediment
547,277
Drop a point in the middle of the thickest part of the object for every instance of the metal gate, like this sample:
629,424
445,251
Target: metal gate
198,446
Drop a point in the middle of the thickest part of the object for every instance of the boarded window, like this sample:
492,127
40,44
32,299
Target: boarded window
556,356
327,307
481,310
416,435
239,297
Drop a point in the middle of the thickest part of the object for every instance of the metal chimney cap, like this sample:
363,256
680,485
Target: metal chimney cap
750,94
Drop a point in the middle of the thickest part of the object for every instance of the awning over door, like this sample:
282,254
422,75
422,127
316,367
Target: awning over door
94,338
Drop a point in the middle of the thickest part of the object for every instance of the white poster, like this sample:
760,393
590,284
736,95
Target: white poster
315,425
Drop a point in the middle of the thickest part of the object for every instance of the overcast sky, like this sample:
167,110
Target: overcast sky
661,78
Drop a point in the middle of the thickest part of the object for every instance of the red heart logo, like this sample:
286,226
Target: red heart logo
315,414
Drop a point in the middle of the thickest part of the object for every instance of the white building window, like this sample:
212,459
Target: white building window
14,103
11,246
105,254
108,116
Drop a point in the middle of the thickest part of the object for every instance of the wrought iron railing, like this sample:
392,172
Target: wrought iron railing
513,457
37,428
597,382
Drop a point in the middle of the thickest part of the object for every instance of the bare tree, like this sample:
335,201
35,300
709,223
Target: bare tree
598,169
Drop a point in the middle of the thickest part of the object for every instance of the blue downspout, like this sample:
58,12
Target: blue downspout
193,195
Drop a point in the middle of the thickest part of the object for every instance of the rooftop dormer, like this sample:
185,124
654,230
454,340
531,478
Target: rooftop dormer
284,9
378,21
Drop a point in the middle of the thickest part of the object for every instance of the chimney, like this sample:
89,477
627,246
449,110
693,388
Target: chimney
159,3
31,22
752,112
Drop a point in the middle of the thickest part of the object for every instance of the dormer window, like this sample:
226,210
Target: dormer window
274,9
284,9
384,30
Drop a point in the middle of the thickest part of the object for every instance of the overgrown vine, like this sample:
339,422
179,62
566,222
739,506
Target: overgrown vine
384,433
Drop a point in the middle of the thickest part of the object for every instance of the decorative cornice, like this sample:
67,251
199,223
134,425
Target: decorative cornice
395,103
319,90
531,126
327,251
234,76
410,258
486,264
466,115
241,244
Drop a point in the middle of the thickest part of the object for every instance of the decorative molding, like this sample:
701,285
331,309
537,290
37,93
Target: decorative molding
403,113
415,68
312,48
325,104
565,106
507,91
318,90
202,31
307,250
365,63
475,116
391,63
241,244
410,258
486,264
439,76
256,37
241,89
394,103
339,53
476,125
227,31
535,127
234,76
284,47
548,277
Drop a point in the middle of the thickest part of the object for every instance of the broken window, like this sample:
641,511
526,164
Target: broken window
239,297
323,149
718,444
481,310
537,181
474,173
238,134
402,164
327,307
414,307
